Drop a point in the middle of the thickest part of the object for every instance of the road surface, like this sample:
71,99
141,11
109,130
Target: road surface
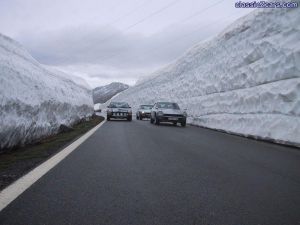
138,173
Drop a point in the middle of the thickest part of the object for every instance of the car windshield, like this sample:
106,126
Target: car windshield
119,105
167,105
146,106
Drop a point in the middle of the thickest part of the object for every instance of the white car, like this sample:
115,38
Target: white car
168,112
143,111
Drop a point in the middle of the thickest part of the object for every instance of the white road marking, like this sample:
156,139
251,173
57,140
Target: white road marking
19,186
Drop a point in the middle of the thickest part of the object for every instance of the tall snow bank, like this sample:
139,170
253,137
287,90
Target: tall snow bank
77,80
246,80
35,101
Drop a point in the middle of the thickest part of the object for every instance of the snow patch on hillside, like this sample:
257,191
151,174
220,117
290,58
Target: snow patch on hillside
104,93
245,81
35,100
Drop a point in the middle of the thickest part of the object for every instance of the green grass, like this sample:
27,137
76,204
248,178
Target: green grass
45,148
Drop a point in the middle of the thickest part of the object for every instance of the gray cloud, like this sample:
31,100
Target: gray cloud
82,40
108,46
101,55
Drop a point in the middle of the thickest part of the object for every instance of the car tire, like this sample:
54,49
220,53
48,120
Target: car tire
156,121
129,118
151,120
108,118
175,123
137,117
183,124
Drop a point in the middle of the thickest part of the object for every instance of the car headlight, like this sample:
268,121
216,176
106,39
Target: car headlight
160,113
143,112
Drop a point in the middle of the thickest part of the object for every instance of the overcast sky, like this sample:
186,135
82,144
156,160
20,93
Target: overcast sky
113,40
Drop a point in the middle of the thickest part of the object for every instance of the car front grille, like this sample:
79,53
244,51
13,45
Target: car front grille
173,115
120,114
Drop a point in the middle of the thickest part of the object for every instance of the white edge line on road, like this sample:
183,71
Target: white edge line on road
11,192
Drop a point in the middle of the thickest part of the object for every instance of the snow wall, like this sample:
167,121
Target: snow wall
35,101
245,81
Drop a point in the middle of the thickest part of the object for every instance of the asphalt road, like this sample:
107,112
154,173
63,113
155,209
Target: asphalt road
138,173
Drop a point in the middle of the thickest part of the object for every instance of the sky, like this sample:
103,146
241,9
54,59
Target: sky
103,41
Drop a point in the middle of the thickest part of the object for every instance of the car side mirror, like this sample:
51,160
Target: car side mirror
156,107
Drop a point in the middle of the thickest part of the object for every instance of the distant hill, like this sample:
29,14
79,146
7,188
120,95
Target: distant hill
104,93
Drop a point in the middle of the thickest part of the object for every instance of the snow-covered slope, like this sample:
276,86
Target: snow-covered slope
104,93
246,80
77,80
35,101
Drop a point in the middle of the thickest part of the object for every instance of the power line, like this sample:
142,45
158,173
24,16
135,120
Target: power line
215,22
201,27
143,19
200,12
153,14
184,36
129,13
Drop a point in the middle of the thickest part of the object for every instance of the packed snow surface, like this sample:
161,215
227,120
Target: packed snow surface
35,100
246,80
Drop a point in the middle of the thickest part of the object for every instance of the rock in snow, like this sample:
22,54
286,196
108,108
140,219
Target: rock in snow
246,80
104,93
35,101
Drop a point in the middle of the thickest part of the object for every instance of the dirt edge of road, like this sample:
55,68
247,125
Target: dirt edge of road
20,161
